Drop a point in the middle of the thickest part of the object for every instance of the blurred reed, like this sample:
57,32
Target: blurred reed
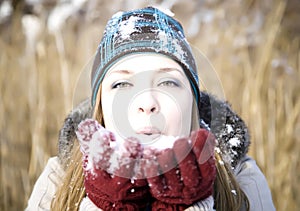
252,46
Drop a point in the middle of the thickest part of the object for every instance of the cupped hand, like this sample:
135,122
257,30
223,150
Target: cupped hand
184,174
108,175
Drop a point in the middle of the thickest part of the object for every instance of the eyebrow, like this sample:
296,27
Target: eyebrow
127,72
168,69
160,70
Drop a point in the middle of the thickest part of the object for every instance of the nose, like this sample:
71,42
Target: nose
147,103
147,110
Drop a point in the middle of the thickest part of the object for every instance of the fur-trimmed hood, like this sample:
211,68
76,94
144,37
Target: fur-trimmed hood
230,130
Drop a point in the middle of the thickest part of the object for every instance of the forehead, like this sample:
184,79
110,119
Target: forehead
145,61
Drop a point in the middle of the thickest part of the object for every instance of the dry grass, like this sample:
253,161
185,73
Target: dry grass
254,49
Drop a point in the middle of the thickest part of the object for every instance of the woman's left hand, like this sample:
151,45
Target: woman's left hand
183,175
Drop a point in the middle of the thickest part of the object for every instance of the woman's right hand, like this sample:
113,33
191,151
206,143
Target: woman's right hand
116,190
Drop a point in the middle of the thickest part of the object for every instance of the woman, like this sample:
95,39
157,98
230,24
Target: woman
145,92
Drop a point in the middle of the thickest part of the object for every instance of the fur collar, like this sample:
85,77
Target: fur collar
230,130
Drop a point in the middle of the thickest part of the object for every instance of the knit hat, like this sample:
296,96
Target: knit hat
139,31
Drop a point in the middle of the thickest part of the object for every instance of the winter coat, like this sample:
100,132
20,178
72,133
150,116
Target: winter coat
233,143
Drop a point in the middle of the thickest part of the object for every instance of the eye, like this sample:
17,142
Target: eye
169,83
121,84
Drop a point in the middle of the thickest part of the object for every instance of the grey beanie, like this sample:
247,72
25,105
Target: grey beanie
143,30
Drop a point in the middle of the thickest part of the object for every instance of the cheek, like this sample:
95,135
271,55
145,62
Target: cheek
177,111
106,103
115,112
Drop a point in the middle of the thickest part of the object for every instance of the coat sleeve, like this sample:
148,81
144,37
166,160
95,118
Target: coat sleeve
254,184
87,205
203,205
45,186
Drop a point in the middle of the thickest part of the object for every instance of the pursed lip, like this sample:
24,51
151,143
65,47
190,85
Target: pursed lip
149,130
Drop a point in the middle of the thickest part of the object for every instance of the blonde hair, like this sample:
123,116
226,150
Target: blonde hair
227,193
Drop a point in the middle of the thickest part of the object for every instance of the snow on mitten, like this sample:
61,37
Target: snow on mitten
184,174
108,173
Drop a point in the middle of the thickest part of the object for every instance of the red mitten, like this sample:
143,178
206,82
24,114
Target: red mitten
107,174
162,206
184,174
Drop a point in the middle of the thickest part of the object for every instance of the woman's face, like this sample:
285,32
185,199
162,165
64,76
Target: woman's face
147,96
